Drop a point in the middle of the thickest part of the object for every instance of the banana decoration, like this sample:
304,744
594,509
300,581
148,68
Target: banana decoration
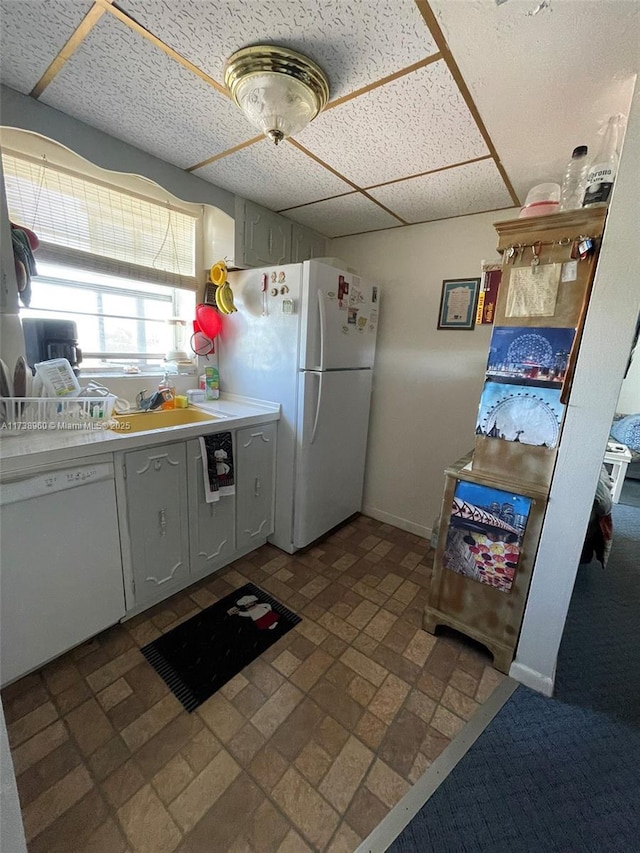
224,299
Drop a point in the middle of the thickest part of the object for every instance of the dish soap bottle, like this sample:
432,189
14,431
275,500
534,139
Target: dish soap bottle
168,393
602,172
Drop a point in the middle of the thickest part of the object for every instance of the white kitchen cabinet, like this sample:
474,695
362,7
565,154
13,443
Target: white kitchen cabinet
255,458
212,536
306,244
264,236
158,519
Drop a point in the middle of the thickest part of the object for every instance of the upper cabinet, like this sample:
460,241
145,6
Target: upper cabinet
306,244
264,238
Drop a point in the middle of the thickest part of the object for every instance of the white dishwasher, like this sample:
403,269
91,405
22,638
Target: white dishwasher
60,568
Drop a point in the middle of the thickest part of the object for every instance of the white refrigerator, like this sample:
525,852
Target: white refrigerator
304,336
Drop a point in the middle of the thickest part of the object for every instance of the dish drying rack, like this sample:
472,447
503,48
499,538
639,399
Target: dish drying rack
34,414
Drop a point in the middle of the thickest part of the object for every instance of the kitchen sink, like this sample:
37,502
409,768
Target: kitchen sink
144,421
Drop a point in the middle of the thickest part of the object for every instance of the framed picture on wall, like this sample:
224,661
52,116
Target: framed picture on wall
458,303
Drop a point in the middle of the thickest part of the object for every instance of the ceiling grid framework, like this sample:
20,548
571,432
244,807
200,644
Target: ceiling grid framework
400,136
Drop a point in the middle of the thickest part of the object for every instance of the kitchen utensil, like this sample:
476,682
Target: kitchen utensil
218,273
20,378
208,319
6,382
201,344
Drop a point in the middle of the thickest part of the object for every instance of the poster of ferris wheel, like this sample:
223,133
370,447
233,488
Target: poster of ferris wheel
524,355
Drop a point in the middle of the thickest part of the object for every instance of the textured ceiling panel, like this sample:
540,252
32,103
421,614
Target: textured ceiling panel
120,83
355,43
274,176
349,214
32,35
465,189
414,124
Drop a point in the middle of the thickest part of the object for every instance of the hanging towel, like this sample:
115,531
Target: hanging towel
217,465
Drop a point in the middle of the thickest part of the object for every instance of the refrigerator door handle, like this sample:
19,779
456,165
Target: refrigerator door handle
323,326
315,421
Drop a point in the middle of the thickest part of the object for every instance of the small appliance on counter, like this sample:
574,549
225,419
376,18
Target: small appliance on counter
48,339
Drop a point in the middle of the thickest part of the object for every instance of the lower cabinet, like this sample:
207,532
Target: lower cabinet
173,536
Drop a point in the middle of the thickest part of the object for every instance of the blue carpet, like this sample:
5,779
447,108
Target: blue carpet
558,775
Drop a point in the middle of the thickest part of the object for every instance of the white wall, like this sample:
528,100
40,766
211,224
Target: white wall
427,382
604,350
629,399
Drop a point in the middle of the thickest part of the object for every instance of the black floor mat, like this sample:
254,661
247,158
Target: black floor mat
196,658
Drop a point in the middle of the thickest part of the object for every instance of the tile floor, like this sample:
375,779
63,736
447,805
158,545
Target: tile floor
307,749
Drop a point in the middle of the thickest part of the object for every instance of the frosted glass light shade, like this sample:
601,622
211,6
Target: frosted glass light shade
279,90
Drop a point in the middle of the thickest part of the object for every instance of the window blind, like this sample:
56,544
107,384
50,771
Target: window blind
85,223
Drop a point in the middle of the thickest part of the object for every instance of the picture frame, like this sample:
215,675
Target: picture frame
458,303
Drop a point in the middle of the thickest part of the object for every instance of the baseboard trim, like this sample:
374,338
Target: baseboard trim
395,521
403,812
531,678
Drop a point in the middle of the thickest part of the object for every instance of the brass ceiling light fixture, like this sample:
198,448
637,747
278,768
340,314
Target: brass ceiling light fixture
279,90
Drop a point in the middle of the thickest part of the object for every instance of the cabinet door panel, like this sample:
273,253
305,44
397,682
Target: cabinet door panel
158,519
255,460
267,237
211,525
306,244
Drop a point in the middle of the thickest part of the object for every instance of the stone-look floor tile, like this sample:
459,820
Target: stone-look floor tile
390,583
151,722
446,723
406,592
106,839
411,560
231,689
126,712
313,762
31,723
460,704
25,702
370,542
420,766
363,666
200,749
201,793
365,812
442,661
203,598
147,824
296,731
109,672
113,694
172,779
434,744
227,821
369,593
386,784
46,772
267,829
74,827
397,664
402,742
344,841
395,606
221,717
340,675
366,645
144,633
380,625
293,844
432,686
276,709
336,703
474,661
123,783
249,700
420,647
421,705
72,697
37,747
334,645
361,690
330,735
312,632
108,757
341,610
464,682
302,804
42,812
286,663
491,678
245,744
346,774
268,767
389,698
371,730
311,670
168,742
60,675
265,678
90,726
338,627
314,587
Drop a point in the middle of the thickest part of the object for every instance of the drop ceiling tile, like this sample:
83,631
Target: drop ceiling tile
414,124
465,189
32,35
349,214
120,83
277,177
355,43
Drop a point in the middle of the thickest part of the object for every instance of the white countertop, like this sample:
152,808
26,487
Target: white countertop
35,449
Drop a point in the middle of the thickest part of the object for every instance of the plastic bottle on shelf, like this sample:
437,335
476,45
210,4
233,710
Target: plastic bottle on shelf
574,181
602,172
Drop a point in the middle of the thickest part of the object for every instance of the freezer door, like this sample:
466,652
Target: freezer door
331,450
339,319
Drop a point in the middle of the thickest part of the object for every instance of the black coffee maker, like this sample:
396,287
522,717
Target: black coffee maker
46,339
